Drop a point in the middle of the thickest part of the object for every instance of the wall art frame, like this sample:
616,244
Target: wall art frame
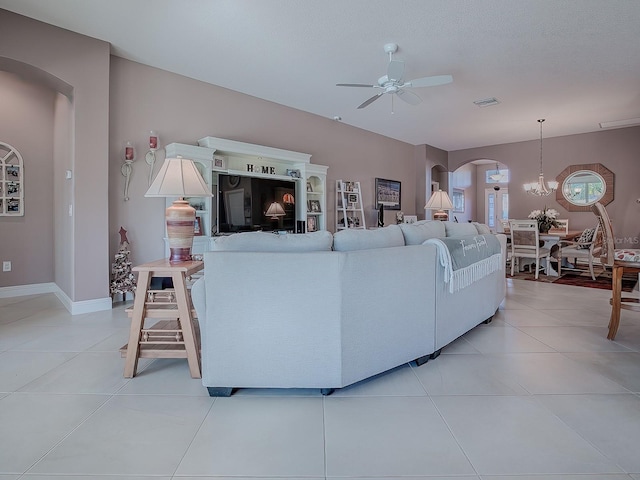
11,182
388,193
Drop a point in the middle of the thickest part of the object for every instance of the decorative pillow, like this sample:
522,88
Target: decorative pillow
455,229
585,237
482,228
359,239
271,242
627,255
418,232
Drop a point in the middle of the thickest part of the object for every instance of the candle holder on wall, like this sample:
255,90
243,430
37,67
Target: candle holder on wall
127,168
150,157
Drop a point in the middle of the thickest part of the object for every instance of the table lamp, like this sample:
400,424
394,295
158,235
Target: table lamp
439,202
179,177
274,211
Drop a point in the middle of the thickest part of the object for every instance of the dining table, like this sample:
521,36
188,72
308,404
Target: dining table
554,237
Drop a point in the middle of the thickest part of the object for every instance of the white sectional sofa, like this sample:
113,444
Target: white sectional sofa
324,311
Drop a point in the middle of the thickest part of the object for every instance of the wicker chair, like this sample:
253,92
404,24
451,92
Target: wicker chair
621,260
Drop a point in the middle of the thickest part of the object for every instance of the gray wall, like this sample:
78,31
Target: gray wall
615,149
112,100
27,124
77,66
183,110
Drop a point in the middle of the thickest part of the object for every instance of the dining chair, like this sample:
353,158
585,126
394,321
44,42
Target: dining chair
580,248
621,261
525,243
504,226
563,226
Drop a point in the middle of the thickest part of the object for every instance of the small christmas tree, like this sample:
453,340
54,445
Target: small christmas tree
122,280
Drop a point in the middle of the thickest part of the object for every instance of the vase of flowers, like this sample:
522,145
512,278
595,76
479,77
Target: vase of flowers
546,219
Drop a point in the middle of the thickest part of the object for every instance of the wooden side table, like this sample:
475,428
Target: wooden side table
175,335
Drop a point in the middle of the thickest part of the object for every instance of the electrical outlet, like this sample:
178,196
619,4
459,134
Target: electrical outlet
6,266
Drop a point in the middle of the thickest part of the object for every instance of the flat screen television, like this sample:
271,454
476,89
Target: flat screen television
243,201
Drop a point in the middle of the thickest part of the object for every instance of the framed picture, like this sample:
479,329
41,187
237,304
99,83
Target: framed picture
314,206
309,187
410,218
197,227
458,200
388,194
219,161
312,225
352,198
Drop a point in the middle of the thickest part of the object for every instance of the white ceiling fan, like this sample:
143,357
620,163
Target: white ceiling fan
393,83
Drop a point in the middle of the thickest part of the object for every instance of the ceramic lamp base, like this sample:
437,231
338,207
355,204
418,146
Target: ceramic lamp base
181,219
441,215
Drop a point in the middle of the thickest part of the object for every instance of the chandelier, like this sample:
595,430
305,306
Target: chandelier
497,176
539,188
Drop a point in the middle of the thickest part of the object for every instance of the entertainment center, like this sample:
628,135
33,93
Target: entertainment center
246,179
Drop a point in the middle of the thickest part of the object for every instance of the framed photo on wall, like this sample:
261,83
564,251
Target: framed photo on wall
219,161
458,200
388,193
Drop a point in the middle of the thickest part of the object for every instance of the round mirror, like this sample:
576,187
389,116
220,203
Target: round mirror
584,187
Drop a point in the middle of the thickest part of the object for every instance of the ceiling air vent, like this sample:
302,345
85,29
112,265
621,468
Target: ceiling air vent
487,102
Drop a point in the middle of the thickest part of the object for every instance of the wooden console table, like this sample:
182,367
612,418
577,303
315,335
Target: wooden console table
175,336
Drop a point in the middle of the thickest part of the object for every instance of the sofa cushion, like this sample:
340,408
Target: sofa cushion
455,229
270,242
418,232
359,239
481,228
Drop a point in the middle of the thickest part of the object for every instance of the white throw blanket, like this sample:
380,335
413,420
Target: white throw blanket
473,258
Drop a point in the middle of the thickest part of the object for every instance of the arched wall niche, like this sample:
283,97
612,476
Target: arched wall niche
56,228
33,74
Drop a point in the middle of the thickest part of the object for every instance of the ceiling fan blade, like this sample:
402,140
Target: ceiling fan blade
354,85
429,81
409,97
371,100
395,70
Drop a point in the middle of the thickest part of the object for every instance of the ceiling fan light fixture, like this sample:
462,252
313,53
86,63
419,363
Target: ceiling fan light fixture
393,82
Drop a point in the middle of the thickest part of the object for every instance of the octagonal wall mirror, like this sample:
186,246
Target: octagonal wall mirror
583,185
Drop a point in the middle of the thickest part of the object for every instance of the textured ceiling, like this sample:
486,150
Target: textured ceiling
574,62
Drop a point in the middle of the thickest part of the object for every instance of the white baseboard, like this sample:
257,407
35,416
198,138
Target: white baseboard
75,308
34,289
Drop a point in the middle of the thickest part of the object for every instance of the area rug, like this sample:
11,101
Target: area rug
602,281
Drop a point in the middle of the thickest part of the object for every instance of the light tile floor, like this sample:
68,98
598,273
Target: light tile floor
538,394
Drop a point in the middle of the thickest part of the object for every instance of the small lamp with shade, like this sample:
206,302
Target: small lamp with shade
179,177
439,202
